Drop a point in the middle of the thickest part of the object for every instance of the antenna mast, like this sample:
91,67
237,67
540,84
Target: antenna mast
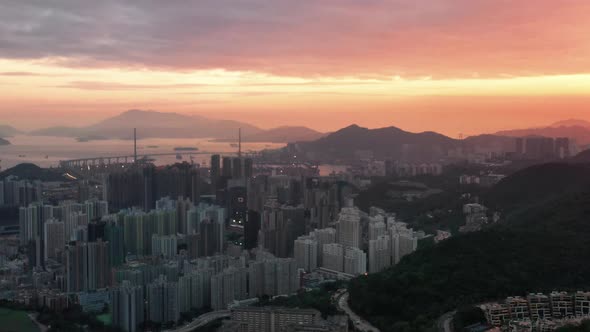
239,142
135,146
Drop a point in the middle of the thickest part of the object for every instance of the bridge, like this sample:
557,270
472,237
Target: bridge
91,168
128,159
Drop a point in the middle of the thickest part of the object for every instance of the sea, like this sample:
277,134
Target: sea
48,151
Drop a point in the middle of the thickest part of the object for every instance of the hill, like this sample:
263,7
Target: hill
285,135
580,133
541,246
537,184
33,172
390,142
152,124
4,142
7,131
571,123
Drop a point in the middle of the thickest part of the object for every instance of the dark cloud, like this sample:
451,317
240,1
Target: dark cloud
305,37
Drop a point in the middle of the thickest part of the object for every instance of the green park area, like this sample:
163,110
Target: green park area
16,321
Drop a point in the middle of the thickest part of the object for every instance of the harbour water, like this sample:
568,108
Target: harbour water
47,151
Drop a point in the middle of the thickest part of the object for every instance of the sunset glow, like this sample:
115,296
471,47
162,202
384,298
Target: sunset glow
395,59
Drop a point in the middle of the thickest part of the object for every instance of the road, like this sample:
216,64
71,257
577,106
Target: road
341,298
33,317
444,322
202,320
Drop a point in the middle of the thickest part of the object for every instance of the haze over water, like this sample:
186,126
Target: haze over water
48,151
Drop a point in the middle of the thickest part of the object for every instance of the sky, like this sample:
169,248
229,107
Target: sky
461,66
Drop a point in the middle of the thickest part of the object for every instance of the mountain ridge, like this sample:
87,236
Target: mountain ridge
548,234
152,124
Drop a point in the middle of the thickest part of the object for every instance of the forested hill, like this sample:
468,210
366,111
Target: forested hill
539,247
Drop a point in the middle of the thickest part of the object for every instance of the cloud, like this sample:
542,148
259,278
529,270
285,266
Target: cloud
19,73
437,38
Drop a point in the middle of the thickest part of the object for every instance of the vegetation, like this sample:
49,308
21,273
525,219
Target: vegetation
33,172
443,210
467,316
584,327
16,321
540,246
319,299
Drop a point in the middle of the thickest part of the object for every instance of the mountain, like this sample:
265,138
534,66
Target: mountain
4,142
284,134
572,128
152,124
540,246
33,172
490,142
571,123
7,131
537,184
390,142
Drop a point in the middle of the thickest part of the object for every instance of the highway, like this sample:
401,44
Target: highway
341,299
202,320
444,322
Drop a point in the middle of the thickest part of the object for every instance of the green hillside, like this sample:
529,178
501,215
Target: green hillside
541,246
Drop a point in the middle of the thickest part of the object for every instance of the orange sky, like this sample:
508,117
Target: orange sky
461,66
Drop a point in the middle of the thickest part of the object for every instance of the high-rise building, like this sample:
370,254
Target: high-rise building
280,226
333,257
194,290
162,301
54,240
355,261
127,306
248,168
227,286
562,147
237,168
379,253
349,227
164,245
273,276
250,319
403,242
306,253
376,229
227,170
115,238
251,229
215,170
87,266
323,236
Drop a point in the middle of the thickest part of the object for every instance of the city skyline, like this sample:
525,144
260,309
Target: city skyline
428,65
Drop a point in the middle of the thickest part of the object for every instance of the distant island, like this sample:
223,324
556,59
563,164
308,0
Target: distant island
285,134
90,138
153,124
185,148
8,131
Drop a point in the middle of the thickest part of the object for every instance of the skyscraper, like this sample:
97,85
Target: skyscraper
333,257
127,306
215,170
349,227
87,266
54,240
355,261
306,253
227,286
379,253
227,167
162,301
